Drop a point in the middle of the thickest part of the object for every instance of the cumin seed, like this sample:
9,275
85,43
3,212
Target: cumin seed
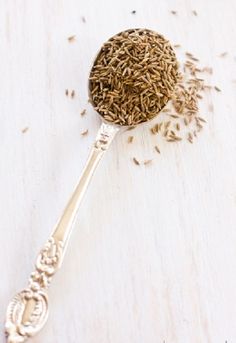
130,139
71,38
25,129
147,162
136,161
84,133
223,54
83,112
217,89
157,149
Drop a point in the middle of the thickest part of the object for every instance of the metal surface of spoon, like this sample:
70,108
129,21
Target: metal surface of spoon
28,311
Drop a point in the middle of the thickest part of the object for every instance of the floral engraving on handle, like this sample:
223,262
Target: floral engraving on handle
105,136
28,310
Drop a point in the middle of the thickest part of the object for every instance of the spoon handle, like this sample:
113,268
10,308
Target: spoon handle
28,310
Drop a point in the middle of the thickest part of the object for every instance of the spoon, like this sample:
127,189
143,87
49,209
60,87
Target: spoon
28,310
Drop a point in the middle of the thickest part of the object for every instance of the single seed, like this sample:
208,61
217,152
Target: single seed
84,133
72,94
133,12
136,161
177,126
71,38
207,70
25,129
190,137
186,121
167,124
157,149
83,19
82,113
173,12
194,12
177,46
217,89
130,139
201,119
147,162
153,130
223,54
66,92
166,133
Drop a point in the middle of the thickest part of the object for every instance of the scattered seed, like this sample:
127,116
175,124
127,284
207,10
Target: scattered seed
167,124
217,89
188,54
136,161
208,70
71,38
186,121
190,137
84,133
165,134
201,119
223,54
173,136
25,129
147,162
157,149
82,113
153,130
130,139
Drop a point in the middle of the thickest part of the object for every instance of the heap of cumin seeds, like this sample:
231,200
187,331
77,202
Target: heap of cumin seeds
133,77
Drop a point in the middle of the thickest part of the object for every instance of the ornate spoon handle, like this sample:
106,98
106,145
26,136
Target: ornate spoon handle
28,310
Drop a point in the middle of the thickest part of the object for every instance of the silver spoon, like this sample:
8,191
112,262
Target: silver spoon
28,310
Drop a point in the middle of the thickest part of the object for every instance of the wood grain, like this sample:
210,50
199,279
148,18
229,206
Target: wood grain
153,255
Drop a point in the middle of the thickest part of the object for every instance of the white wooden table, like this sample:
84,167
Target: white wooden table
153,255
